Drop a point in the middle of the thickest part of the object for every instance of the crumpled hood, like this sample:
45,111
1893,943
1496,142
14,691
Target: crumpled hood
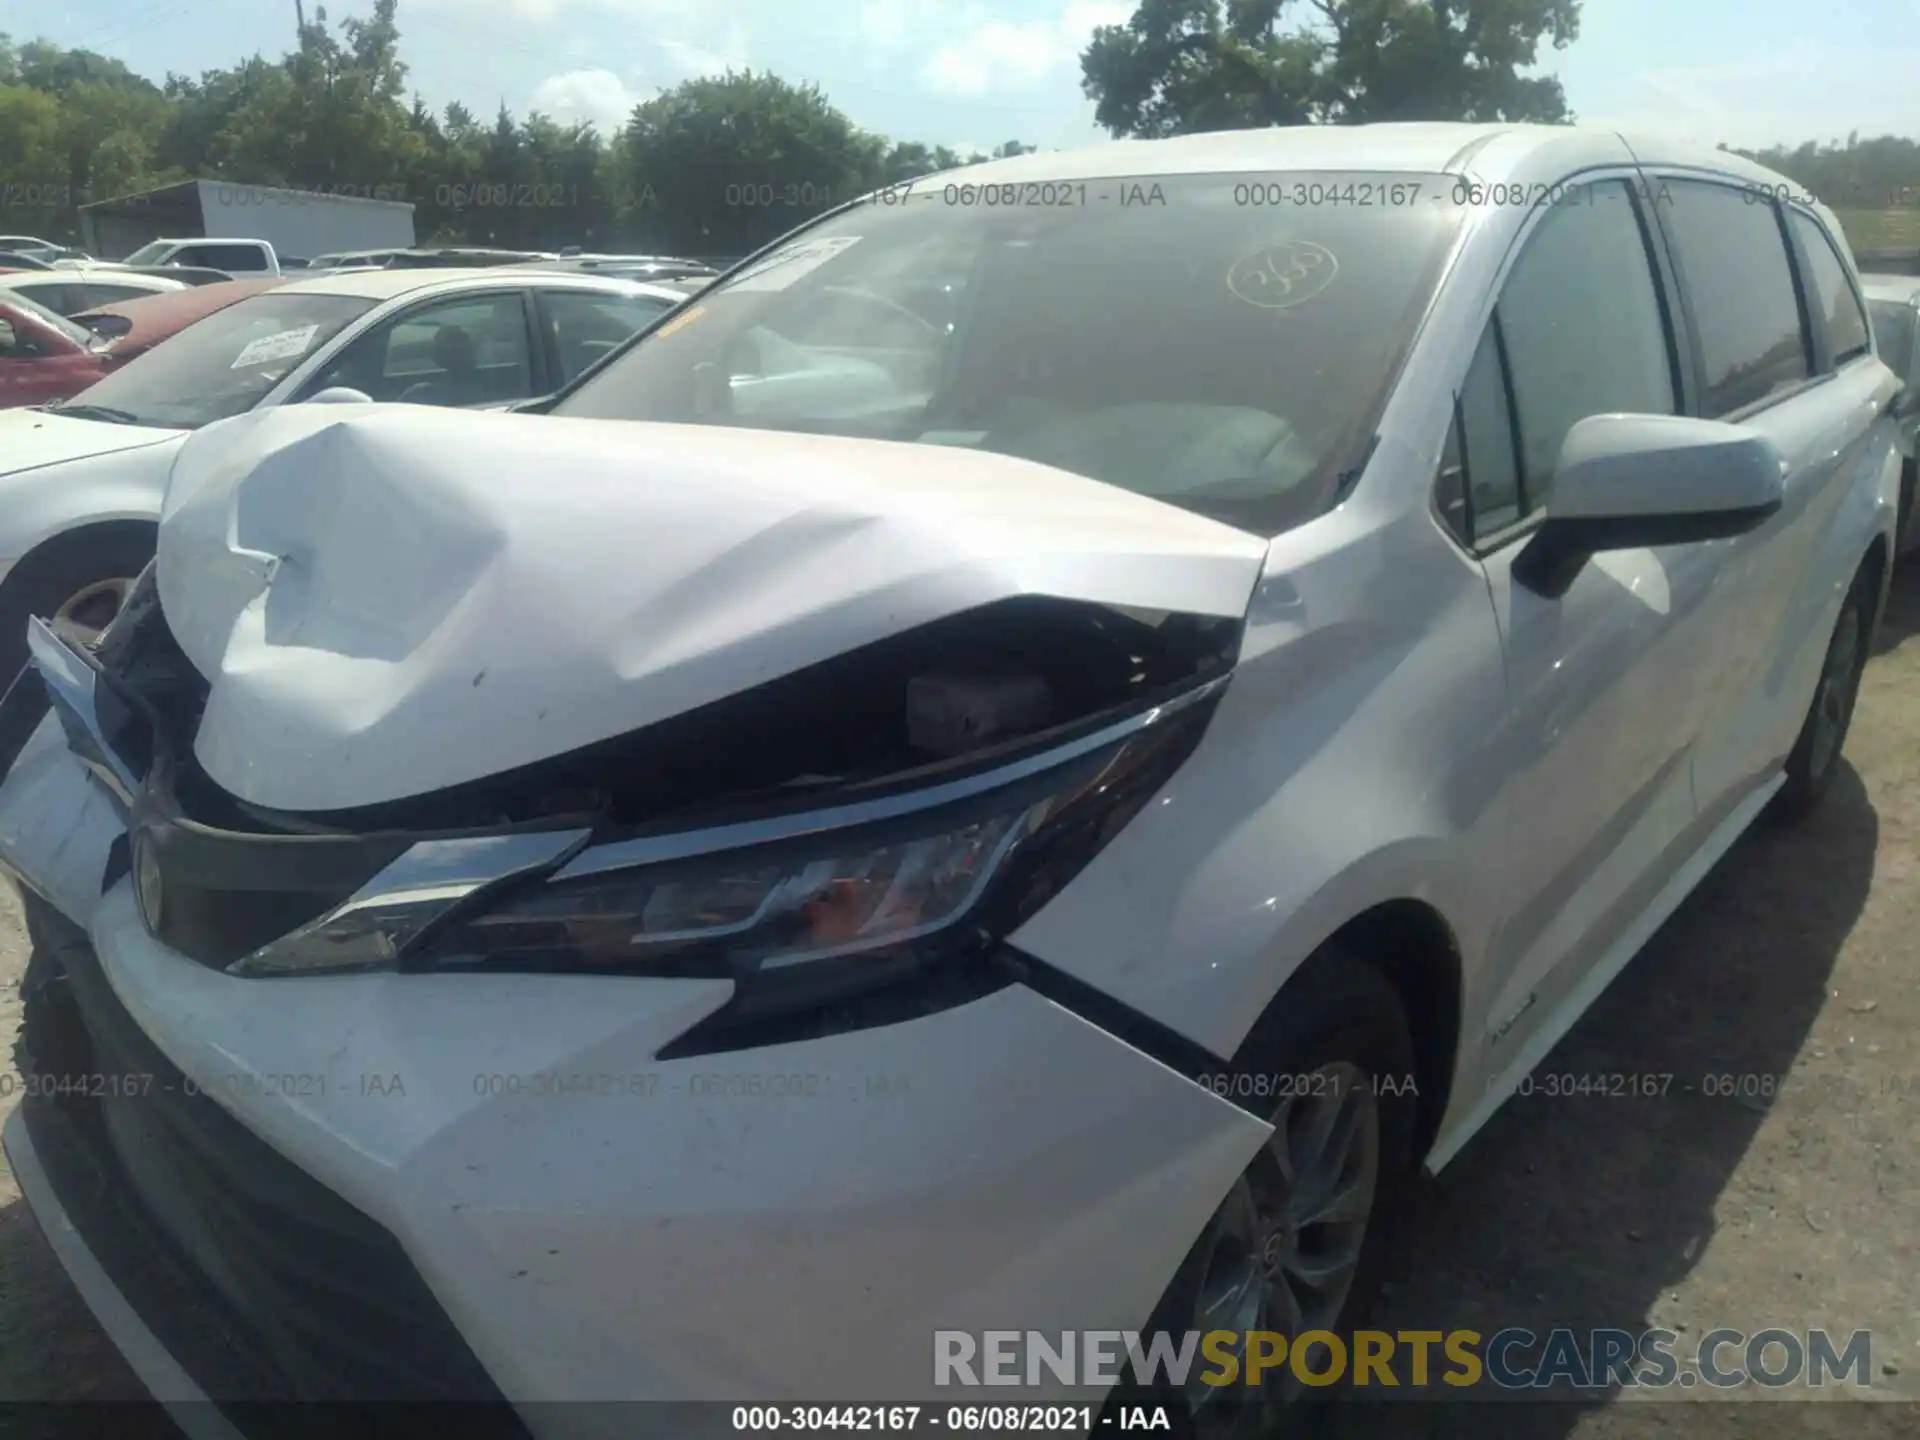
30,439
388,600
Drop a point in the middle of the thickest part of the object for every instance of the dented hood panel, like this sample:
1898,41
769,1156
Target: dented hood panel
388,600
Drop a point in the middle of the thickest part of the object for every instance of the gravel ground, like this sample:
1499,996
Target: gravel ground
1690,1211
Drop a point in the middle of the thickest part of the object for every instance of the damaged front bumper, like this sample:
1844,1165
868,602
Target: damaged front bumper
515,1170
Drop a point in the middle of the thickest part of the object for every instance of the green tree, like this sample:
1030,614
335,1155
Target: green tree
330,117
33,163
1181,66
720,166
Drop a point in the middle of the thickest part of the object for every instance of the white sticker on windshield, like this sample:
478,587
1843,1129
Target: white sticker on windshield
784,266
283,346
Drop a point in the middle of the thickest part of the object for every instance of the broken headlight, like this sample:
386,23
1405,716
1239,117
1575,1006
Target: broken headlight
748,911
813,905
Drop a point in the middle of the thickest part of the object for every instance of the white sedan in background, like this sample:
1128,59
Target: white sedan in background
83,288
80,482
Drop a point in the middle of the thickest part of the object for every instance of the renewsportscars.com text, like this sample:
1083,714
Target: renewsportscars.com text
1509,1359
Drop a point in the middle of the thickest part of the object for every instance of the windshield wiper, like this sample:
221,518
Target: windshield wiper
96,412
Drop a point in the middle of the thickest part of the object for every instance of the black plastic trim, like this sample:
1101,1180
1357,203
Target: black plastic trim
1187,1058
1561,547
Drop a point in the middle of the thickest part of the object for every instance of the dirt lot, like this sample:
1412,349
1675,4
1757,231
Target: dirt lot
1691,1211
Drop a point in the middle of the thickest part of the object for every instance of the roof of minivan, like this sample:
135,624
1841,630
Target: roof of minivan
1416,147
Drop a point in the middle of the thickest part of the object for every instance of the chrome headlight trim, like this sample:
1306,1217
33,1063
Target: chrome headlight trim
376,926
653,849
371,927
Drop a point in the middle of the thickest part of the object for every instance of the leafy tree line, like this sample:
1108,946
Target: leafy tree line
716,166
1882,173
719,165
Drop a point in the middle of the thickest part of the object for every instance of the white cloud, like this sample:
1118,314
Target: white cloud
1004,55
884,26
598,96
690,62
540,11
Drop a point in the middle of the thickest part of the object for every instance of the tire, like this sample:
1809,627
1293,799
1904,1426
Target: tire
47,579
1902,530
1341,1015
1815,757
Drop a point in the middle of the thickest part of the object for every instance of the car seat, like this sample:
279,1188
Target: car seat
457,355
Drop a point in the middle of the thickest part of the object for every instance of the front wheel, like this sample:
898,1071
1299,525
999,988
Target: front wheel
1295,1246
1815,757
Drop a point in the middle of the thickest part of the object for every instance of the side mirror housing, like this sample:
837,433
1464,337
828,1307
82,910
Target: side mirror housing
107,327
339,395
1631,482
7,337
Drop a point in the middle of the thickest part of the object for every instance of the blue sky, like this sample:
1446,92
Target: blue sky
971,73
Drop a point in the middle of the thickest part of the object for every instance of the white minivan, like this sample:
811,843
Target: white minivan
1021,764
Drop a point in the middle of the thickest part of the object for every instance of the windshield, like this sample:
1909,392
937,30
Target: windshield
224,364
1893,328
1220,342
149,254
78,334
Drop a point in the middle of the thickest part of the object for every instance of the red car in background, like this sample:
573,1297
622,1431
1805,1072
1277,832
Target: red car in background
44,357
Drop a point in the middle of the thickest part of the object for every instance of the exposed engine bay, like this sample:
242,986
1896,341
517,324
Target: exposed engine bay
947,694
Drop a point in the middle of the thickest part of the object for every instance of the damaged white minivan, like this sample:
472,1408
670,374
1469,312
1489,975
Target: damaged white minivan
1019,765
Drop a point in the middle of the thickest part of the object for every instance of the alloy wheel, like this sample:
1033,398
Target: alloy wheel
1282,1250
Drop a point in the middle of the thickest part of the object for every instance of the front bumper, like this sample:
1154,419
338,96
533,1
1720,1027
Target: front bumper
790,1223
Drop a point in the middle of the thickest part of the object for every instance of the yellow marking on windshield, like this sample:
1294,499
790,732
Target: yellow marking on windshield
1282,275
684,318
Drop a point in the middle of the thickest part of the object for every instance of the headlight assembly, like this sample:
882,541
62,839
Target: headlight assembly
798,909
741,912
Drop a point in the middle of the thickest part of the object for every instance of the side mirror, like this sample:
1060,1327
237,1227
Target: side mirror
107,327
7,337
1630,482
339,395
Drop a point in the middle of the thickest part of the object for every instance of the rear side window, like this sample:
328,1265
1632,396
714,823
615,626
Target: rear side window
1830,293
231,258
1734,261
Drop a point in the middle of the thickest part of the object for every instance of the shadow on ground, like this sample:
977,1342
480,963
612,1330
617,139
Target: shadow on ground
1902,616
1579,1212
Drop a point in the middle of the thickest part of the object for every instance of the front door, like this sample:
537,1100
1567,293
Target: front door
1603,681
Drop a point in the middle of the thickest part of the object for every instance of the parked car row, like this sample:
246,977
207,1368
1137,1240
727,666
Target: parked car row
82,479
234,258
926,787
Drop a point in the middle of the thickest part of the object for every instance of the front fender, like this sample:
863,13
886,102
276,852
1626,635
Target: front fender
1352,761
37,505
